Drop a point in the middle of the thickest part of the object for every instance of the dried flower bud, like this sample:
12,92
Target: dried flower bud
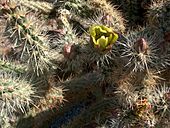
68,51
141,46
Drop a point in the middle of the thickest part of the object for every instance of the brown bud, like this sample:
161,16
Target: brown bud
68,51
141,46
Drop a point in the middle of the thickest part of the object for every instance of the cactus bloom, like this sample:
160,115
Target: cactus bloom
102,36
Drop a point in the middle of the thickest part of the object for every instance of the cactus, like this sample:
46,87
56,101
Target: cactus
110,15
79,63
32,42
44,7
141,50
12,67
16,95
100,13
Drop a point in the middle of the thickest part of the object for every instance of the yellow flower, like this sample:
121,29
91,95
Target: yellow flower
102,36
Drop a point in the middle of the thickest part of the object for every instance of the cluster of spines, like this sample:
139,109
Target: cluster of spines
15,94
40,6
12,67
143,99
141,50
26,35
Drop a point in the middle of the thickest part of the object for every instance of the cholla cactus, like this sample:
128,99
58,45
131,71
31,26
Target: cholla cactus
158,17
12,67
116,76
95,12
32,42
5,121
102,40
15,95
41,6
109,15
97,50
140,50
53,99
161,99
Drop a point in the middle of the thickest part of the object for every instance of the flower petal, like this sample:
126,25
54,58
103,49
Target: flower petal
99,30
102,36
110,38
102,42
92,31
94,40
114,39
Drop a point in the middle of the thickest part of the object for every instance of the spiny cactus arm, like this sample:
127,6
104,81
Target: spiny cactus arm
41,6
5,121
141,47
108,14
11,67
100,13
31,40
15,95
53,99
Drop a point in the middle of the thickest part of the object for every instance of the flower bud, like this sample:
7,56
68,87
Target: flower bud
141,46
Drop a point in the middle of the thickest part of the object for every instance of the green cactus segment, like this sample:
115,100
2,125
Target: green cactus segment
79,7
102,36
15,94
107,14
141,50
89,12
11,67
42,6
26,35
27,31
